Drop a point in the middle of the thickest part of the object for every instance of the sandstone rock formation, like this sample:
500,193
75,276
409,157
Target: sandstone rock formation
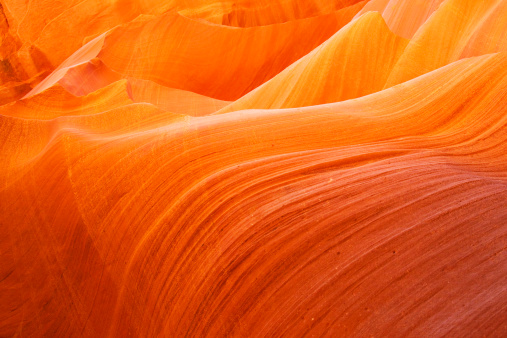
253,168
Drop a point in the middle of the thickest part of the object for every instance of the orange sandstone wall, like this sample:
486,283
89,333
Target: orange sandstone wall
253,168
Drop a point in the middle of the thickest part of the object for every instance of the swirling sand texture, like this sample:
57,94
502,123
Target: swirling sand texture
253,168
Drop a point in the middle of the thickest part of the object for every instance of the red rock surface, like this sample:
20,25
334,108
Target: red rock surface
253,168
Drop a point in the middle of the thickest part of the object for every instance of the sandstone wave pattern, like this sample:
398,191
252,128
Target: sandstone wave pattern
253,168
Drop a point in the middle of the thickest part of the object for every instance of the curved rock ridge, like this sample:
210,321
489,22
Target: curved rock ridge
253,169
32,31
446,34
404,17
186,54
174,100
56,101
335,71
87,77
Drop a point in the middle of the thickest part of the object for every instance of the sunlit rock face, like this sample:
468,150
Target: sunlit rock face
253,168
